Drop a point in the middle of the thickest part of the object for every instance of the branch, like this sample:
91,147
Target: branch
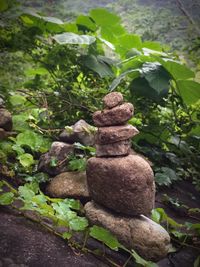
187,15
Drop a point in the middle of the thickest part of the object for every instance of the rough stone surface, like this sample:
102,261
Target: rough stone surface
123,184
69,184
112,99
148,238
120,148
27,244
81,132
59,152
112,134
115,116
5,119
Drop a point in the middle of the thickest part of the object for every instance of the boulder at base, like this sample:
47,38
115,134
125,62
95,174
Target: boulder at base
55,161
123,184
148,238
69,184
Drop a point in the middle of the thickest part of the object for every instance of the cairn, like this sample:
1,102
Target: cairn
118,180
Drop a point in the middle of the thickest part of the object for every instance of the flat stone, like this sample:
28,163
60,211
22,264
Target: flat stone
112,99
69,184
5,119
112,134
150,240
115,116
120,148
59,152
123,184
81,132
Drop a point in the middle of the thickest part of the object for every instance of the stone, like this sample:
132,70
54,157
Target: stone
115,116
112,100
69,184
120,148
81,132
112,134
59,152
4,134
5,119
123,184
150,240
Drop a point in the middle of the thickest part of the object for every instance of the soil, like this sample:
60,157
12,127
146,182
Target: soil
24,243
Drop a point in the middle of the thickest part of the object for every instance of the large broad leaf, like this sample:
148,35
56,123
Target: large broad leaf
78,223
177,70
51,24
157,77
73,38
126,42
98,65
102,17
122,76
26,160
189,91
105,236
85,23
35,141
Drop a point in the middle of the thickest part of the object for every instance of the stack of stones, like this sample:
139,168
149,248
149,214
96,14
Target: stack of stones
121,183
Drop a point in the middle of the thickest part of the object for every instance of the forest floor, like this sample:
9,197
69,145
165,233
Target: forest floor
25,243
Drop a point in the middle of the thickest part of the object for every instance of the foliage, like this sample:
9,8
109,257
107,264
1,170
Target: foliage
61,212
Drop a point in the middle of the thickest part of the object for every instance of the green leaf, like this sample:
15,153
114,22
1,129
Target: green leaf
17,100
105,236
77,164
86,22
162,179
78,223
20,122
97,65
3,5
38,71
66,235
72,203
35,141
122,76
73,38
177,70
102,17
126,42
18,149
26,160
6,198
157,77
155,216
189,91
152,45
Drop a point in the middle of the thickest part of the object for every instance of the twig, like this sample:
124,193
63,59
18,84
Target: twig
184,11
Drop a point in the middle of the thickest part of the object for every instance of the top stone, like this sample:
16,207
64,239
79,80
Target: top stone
112,100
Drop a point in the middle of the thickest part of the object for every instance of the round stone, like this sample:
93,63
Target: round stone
123,184
112,100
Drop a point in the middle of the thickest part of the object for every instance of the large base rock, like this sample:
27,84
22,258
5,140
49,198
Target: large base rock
123,184
148,238
69,184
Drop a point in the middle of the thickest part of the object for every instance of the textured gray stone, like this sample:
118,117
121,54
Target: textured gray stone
140,233
81,132
69,184
112,134
120,148
112,99
115,116
123,184
59,151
